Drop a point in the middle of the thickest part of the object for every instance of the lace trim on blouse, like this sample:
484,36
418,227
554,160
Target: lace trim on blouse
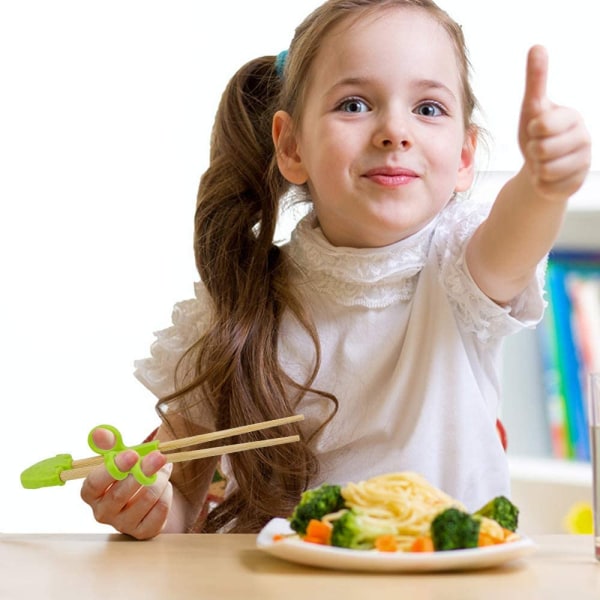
370,277
478,314
380,277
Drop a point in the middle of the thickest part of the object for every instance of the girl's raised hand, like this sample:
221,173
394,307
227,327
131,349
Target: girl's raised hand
131,508
554,141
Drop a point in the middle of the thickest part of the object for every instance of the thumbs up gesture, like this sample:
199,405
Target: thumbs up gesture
554,141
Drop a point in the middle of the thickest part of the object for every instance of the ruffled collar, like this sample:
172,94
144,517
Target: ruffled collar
371,277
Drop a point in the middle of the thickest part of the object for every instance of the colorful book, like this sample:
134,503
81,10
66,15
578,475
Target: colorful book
568,362
584,292
569,341
553,390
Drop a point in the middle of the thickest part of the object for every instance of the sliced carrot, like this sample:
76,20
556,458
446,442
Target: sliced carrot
318,532
485,539
313,540
422,544
386,543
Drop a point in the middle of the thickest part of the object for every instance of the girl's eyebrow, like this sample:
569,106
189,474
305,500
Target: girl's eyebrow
434,84
349,81
421,84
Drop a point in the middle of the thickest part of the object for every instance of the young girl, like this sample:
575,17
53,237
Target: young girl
381,320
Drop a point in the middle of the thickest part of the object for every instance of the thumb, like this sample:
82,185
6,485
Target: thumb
535,99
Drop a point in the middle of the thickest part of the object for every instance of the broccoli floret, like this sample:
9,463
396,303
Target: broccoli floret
314,504
502,510
453,529
352,530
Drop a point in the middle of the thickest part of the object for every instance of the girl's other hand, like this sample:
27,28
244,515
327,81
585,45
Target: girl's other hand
554,141
131,508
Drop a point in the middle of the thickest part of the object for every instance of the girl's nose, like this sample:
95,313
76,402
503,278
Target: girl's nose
392,133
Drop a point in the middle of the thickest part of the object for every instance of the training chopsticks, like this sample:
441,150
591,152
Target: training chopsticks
62,468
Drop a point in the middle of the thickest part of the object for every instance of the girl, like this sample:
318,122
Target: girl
381,321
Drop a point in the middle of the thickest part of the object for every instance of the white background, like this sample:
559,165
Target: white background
105,114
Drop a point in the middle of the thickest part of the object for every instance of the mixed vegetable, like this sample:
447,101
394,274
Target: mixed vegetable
451,529
315,504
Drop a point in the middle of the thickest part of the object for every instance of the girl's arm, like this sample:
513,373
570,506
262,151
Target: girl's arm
526,217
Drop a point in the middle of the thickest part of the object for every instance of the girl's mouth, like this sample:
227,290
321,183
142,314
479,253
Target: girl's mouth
391,176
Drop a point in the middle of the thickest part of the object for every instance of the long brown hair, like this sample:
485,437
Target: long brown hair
234,368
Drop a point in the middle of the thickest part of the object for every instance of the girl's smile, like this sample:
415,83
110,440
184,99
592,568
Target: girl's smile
391,176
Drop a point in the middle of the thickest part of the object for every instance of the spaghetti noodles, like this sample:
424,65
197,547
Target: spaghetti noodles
402,503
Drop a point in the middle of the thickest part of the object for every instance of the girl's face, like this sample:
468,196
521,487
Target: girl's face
382,144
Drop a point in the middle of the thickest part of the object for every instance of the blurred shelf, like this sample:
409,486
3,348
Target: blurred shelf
549,470
547,491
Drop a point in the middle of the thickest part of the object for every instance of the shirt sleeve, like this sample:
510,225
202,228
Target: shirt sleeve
477,313
190,318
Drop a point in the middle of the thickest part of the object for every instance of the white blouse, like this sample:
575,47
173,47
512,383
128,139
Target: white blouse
410,348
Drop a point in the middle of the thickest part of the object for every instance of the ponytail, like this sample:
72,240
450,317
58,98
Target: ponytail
237,371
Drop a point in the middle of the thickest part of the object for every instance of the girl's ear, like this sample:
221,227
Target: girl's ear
466,170
288,160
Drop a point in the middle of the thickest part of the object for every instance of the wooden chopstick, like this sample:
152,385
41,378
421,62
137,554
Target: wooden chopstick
80,472
217,435
85,465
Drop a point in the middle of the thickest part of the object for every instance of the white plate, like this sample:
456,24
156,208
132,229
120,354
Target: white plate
316,555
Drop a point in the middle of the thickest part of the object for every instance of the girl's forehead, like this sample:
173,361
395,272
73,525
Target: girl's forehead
384,25
395,38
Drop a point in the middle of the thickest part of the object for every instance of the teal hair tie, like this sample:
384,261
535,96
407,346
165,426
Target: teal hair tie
280,62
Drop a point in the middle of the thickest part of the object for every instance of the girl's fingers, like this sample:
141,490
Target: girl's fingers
103,438
554,140
558,152
535,100
561,179
563,165
147,512
547,150
126,504
99,481
555,121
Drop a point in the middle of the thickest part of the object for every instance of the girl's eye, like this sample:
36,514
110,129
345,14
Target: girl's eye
430,109
353,105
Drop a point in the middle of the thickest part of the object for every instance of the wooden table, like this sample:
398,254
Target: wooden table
213,567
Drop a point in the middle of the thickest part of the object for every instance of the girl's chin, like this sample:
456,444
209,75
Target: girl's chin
373,228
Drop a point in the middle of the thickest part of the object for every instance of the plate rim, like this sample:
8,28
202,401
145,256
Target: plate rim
328,557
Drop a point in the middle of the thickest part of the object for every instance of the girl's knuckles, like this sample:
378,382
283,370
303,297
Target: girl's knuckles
120,493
